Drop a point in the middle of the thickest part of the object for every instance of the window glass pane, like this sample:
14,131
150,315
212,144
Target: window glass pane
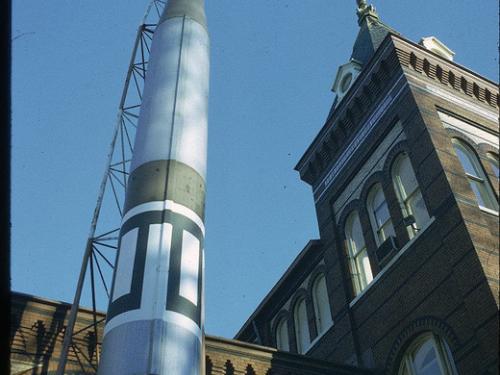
431,369
378,196
424,355
301,327
409,194
381,214
386,231
354,234
358,257
475,173
364,269
418,210
282,336
408,181
355,276
428,355
481,196
322,305
357,234
426,360
465,160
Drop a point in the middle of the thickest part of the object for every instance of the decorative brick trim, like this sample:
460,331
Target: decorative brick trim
229,368
348,117
484,148
319,270
463,137
396,150
249,370
375,178
354,205
208,365
447,77
299,294
414,329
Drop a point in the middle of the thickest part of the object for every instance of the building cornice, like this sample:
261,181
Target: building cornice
367,87
395,54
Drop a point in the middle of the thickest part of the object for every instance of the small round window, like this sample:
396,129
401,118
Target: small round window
346,82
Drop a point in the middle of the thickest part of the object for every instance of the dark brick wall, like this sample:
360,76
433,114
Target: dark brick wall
37,331
446,281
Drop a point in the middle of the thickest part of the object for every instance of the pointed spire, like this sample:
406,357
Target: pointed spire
365,10
372,32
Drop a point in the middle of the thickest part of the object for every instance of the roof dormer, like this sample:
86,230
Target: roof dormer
346,75
433,44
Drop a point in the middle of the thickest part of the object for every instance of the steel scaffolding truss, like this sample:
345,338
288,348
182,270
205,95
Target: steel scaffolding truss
102,242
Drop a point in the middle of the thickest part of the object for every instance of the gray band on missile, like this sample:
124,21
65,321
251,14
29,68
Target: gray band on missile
160,180
128,341
179,8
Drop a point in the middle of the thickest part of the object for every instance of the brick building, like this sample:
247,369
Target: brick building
404,173
404,277
37,331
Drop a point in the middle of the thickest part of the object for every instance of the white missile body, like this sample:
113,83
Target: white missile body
155,317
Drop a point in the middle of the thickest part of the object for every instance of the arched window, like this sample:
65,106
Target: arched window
427,355
475,174
409,195
321,303
359,262
282,342
301,326
493,159
379,214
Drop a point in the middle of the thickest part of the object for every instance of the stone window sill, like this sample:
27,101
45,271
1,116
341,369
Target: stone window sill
488,210
315,341
391,263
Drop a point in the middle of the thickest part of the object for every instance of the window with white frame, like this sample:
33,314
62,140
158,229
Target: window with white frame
282,342
379,214
475,174
321,304
359,261
493,159
409,194
428,354
301,326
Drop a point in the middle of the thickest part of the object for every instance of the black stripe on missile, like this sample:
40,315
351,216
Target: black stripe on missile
174,302
148,183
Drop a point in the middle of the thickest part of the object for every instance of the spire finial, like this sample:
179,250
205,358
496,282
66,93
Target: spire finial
365,10
361,3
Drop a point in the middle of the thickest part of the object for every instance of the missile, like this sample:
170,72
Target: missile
155,318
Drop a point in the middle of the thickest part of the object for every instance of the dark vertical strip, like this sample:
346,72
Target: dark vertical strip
174,108
340,253
5,105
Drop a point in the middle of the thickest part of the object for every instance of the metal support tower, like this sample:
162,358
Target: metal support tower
100,249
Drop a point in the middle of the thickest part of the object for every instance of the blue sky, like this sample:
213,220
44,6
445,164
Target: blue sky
273,63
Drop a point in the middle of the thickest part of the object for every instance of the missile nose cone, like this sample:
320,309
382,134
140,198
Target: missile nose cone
194,9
